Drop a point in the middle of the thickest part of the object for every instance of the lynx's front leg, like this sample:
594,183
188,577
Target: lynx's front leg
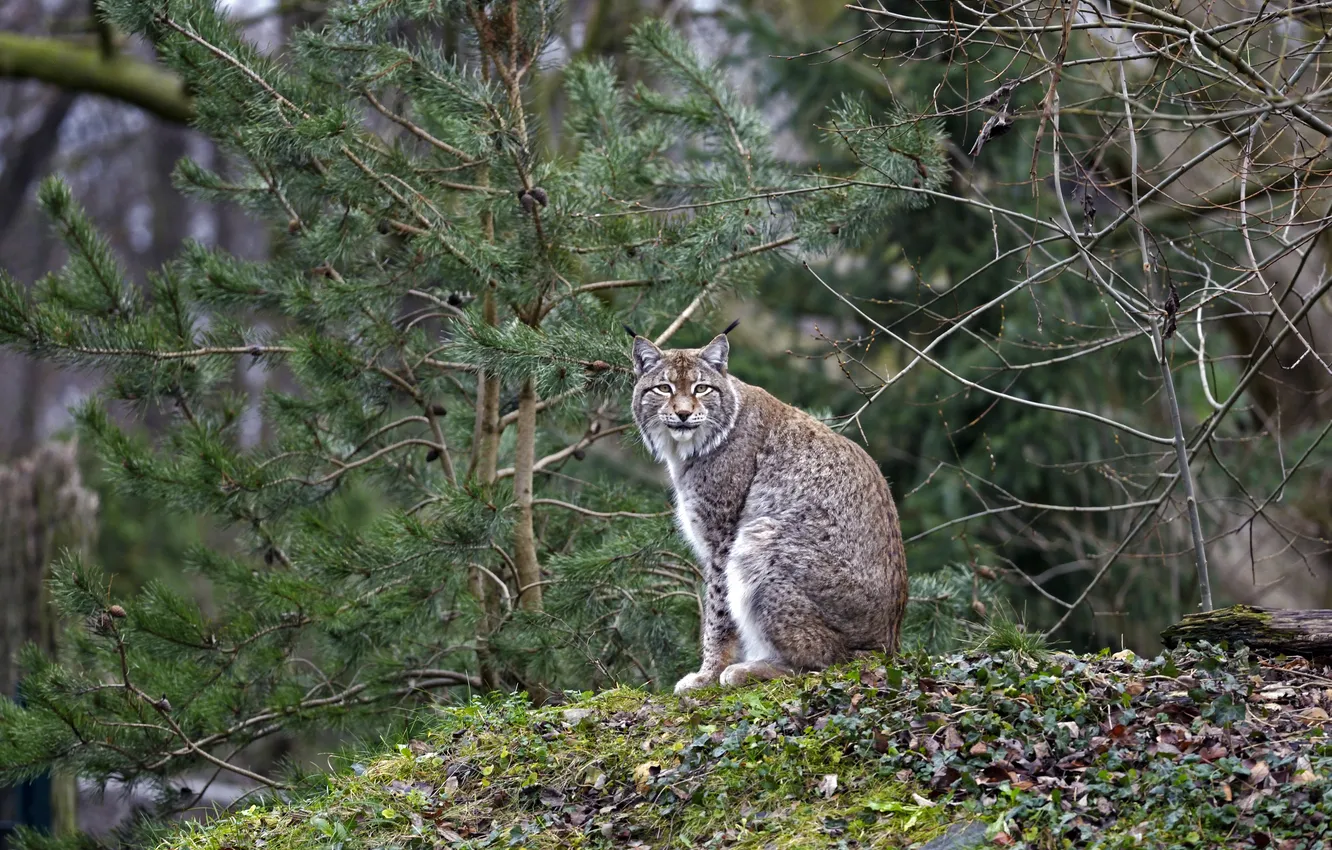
719,639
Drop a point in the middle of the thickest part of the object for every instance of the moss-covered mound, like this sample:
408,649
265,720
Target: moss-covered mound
1201,748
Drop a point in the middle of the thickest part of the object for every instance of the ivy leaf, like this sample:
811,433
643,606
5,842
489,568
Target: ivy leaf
1226,710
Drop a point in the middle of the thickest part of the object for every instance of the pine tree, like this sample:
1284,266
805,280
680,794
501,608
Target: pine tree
440,320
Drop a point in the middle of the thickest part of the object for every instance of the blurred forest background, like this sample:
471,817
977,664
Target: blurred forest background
1117,197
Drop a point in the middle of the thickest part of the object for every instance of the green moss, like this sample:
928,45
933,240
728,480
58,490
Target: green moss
1239,617
1106,751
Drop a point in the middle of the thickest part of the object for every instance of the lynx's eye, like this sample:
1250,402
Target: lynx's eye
702,389
664,389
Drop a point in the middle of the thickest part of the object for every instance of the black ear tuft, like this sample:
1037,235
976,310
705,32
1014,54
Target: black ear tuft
630,331
730,327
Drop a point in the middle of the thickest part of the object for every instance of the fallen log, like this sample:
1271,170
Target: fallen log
1288,631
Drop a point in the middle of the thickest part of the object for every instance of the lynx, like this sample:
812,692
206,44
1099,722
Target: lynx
793,524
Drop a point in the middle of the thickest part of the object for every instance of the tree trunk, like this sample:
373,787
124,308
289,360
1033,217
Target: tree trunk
524,536
484,465
1292,632
525,561
45,511
30,160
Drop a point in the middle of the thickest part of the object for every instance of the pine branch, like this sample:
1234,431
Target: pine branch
586,440
600,514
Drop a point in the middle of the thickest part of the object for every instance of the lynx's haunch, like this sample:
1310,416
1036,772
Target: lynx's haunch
792,524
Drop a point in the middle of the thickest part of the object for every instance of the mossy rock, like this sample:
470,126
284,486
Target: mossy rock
1199,748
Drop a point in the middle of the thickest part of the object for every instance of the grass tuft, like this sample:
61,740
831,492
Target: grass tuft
1003,633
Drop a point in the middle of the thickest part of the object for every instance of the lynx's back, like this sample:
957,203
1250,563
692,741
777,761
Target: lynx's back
793,523
819,491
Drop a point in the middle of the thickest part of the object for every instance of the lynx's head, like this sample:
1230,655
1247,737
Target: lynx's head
684,401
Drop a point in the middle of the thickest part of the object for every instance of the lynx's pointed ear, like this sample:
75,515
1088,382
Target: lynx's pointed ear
717,353
646,355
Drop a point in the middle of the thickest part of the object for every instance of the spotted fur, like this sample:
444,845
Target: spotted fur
793,524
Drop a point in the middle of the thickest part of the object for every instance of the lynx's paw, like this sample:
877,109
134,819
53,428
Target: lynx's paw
693,682
752,671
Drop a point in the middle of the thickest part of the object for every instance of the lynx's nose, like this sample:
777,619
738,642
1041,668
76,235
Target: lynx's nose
682,415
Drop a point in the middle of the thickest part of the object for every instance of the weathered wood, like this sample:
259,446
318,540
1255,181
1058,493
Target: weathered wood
44,511
1289,631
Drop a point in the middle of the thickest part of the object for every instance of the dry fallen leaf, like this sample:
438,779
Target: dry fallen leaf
882,742
1314,715
1259,772
644,774
449,835
952,740
1304,772
828,785
995,126
1212,753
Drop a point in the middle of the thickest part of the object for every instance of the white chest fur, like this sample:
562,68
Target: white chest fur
739,591
689,527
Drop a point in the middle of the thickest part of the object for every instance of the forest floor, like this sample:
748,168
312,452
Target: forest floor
1197,748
